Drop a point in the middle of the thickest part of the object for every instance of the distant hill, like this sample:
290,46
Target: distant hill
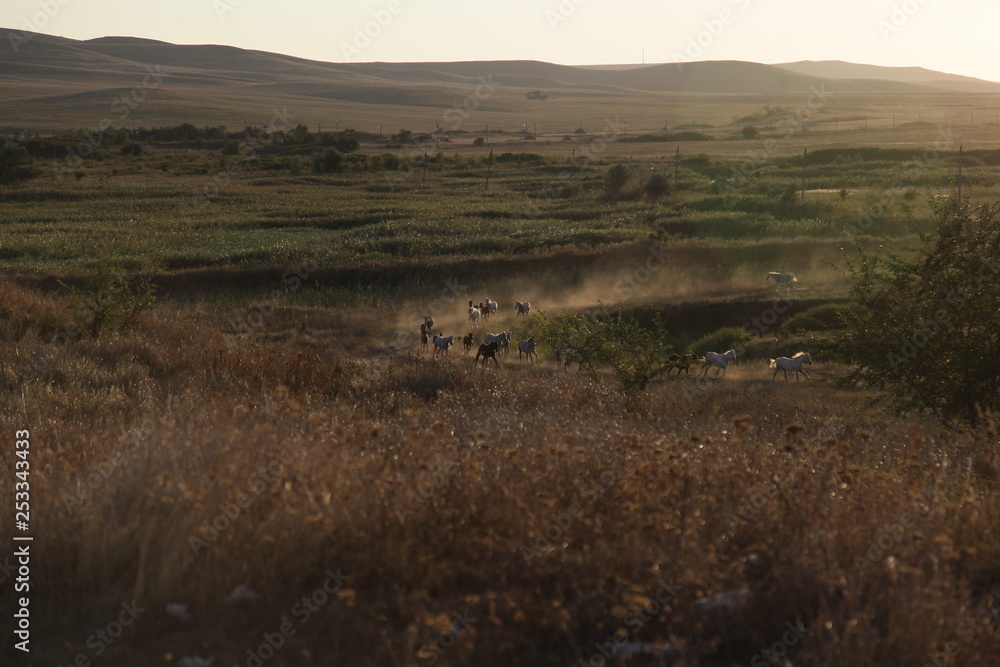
53,82
838,69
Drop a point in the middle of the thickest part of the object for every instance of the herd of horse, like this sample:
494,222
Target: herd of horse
495,345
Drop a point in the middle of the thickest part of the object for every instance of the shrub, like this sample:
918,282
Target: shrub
928,324
232,147
617,177
818,318
720,340
657,185
636,355
346,142
110,300
328,161
14,162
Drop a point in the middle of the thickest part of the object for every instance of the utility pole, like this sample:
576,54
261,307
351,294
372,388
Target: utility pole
572,162
677,166
960,173
489,167
424,181
804,175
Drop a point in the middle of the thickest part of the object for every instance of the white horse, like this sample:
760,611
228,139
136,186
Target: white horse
720,361
491,306
785,364
474,315
441,343
527,347
522,308
780,279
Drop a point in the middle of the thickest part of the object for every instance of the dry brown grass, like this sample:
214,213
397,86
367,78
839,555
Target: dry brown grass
555,508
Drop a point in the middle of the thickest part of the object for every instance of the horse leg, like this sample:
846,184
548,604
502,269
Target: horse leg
775,374
806,374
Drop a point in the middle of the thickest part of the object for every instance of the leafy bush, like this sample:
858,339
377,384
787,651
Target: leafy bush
346,142
14,161
637,355
720,340
657,185
328,161
818,318
928,324
617,177
110,300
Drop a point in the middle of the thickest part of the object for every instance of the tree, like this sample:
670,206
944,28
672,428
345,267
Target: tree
14,161
750,132
328,161
616,177
110,300
927,328
657,184
637,355
346,142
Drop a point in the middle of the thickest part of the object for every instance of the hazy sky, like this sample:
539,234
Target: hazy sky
957,36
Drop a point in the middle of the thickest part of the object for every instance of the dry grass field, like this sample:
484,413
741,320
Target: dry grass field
520,515
266,467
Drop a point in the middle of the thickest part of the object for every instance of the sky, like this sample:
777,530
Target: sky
957,36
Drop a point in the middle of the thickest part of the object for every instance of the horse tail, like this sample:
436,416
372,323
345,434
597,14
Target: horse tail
774,363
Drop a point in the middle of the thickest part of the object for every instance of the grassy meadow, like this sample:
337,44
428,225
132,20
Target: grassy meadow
267,468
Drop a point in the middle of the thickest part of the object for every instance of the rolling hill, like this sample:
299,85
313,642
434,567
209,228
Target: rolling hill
53,83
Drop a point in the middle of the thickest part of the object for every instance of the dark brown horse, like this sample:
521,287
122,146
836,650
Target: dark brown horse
488,351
